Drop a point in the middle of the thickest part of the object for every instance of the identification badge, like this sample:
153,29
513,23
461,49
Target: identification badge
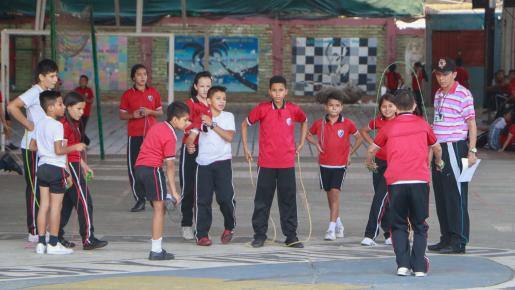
438,118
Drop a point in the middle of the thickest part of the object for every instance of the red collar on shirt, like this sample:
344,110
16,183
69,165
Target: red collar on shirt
453,88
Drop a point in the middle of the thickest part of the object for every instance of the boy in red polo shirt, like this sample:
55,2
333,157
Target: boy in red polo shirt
276,161
140,105
333,133
84,90
407,138
158,147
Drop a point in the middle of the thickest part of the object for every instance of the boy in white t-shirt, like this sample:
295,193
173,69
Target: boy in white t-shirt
52,172
214,170
46,79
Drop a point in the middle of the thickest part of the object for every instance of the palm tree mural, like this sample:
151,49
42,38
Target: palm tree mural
219,50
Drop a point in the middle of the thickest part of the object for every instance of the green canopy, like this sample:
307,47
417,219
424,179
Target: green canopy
303,9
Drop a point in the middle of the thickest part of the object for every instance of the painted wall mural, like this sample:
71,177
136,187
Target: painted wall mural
112,64
233,61
319,62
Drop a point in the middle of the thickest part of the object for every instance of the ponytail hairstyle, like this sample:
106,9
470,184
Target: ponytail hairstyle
71,99
198,76
386,97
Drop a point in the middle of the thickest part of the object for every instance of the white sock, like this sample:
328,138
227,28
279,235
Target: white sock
339,221
332,226
156,245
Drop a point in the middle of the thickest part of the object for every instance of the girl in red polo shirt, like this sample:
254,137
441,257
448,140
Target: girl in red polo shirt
139,105
378,216
78,194
333,133
187,165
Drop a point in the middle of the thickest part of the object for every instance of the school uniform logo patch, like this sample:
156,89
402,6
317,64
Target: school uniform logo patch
288,121
150,98
341,133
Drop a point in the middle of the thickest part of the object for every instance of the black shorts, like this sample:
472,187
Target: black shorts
151,181
331,178
53,177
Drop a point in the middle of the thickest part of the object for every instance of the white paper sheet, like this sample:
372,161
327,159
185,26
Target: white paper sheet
467,172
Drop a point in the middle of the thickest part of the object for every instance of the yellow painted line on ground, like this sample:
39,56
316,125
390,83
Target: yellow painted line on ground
179,283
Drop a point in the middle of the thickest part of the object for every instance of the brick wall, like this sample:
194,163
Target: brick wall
262,30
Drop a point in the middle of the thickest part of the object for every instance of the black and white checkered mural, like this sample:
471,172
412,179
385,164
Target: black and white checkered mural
319,62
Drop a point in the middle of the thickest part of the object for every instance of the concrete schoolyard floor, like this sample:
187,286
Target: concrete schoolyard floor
342,264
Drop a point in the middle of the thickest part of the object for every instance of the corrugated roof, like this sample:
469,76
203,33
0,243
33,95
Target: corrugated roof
218,8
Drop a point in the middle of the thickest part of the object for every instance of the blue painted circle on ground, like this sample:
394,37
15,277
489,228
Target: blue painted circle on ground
446,272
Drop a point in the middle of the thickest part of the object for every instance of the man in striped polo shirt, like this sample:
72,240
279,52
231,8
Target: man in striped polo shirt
455,129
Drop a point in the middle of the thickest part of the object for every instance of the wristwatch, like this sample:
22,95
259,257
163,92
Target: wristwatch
473,150
213,125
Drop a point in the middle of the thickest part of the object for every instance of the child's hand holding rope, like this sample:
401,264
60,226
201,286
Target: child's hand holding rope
371,165
439,165
248,156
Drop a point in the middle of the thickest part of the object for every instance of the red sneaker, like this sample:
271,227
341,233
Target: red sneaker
226,236
204,241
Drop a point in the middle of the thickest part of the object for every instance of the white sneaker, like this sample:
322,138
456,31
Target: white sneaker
403,271
330,236
420,274
40,248
187,233
368,242
339,231
388,241
33,239
58,249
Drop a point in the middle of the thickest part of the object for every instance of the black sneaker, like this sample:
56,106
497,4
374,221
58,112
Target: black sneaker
153,256
437,247
295,243
257,243
66,244
94,244
457,249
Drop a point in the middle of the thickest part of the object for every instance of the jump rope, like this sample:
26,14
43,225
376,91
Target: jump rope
306,203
